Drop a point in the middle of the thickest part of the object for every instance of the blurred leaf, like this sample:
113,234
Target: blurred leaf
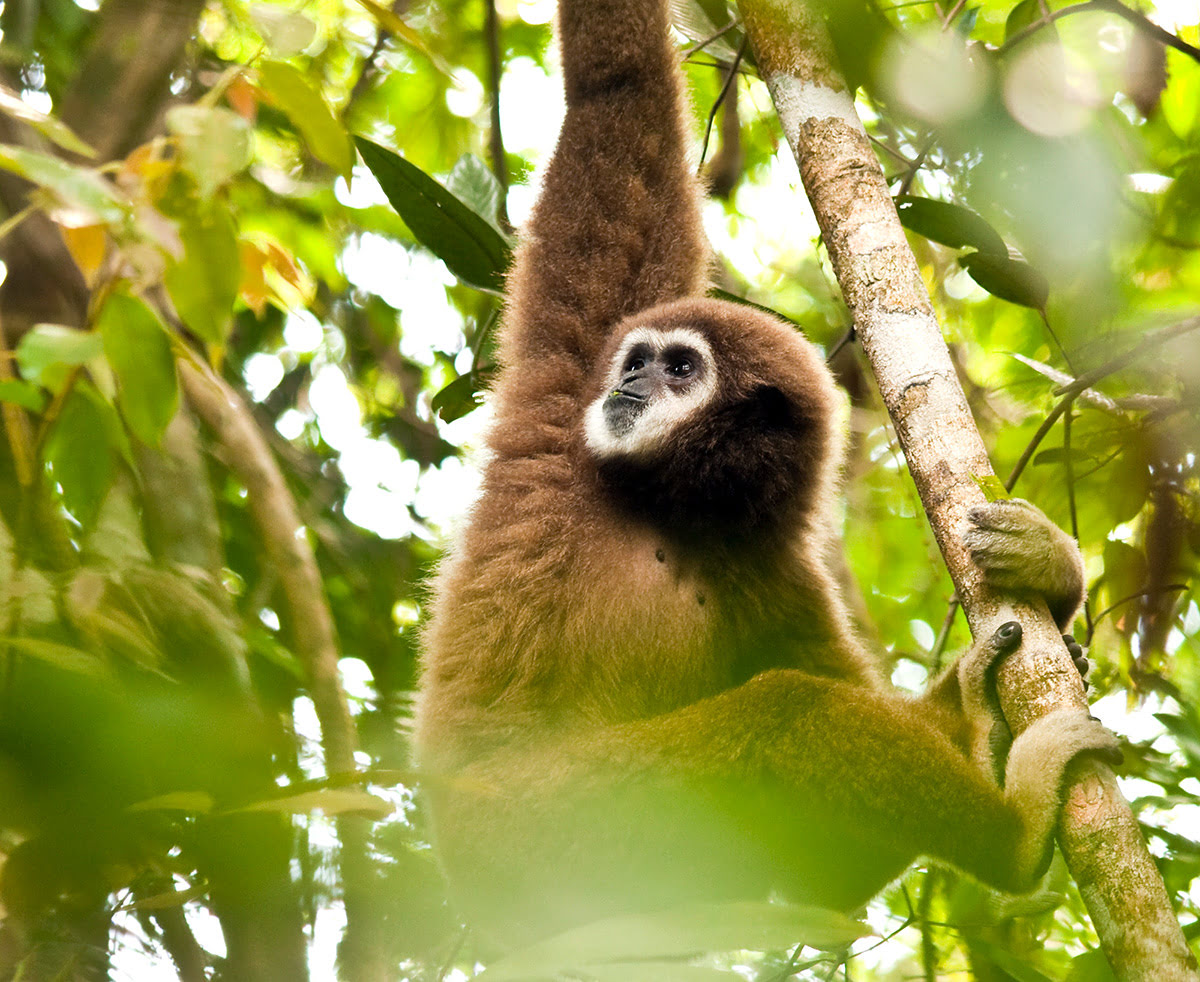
951,225
651,971
167,900
77,187
303,104
61,656
331,801
80,453
391,22
52,129
1129,483
1091,966
1009,279
476,186
214,144
472,250
1184,731
138,349
22,393
197,802
1059,455
1020,970
1180,103
203,285
286,32
47,352
88,245
683,932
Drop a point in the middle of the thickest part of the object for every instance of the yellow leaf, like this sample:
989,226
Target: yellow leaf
88,245
253,288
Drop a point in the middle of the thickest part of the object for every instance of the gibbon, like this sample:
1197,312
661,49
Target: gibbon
641,686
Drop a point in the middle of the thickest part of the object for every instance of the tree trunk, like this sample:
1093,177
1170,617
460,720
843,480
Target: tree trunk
895,322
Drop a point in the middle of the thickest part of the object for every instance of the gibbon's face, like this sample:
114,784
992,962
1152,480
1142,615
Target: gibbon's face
658,379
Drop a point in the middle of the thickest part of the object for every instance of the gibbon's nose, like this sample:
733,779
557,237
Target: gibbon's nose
636,385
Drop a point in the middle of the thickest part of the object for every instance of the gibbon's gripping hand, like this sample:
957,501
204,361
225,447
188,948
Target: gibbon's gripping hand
1021,551
1082,662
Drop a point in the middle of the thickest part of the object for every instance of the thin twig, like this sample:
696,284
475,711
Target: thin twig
712,113
1169,588
702,44
1140,21
491,31
1088,379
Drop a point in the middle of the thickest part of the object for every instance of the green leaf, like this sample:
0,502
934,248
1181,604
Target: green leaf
331,801
1018,968
285,32
78,187
461,396
52,129
1091,966
658,971
477,187
48,352
472,250
139,351
61,656
1009,279
168,899
204,284
951,225
79,451
304,105
22,393
199,802
682,932
214,144
992,487
1024,15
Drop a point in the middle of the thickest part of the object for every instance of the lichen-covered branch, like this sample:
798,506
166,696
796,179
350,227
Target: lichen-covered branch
899,332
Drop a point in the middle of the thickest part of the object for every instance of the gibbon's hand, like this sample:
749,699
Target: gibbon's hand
1021,551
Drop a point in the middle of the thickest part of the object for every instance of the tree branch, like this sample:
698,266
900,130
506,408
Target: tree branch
895,321
285,537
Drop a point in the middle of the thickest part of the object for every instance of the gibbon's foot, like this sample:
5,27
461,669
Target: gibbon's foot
977,668
1082,662
1034,780
1020,550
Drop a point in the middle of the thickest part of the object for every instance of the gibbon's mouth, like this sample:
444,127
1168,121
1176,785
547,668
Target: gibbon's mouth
621,410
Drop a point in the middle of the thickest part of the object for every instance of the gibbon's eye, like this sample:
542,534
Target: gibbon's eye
635,365
681,368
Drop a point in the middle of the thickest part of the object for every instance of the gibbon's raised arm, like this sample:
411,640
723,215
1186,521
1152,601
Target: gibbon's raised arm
616,228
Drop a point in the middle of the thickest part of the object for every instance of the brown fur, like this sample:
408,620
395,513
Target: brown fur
641,684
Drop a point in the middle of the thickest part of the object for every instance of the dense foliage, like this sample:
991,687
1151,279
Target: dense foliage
253,257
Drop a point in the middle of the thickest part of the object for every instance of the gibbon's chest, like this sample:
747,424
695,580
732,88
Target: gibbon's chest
641,628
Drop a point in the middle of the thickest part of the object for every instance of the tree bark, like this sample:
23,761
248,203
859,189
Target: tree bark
899,332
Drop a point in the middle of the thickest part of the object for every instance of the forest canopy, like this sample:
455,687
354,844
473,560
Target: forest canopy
253,257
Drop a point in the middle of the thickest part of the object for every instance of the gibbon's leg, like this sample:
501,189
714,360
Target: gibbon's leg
822,786
964,703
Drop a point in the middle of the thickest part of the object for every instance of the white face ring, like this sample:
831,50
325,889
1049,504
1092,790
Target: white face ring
666,413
